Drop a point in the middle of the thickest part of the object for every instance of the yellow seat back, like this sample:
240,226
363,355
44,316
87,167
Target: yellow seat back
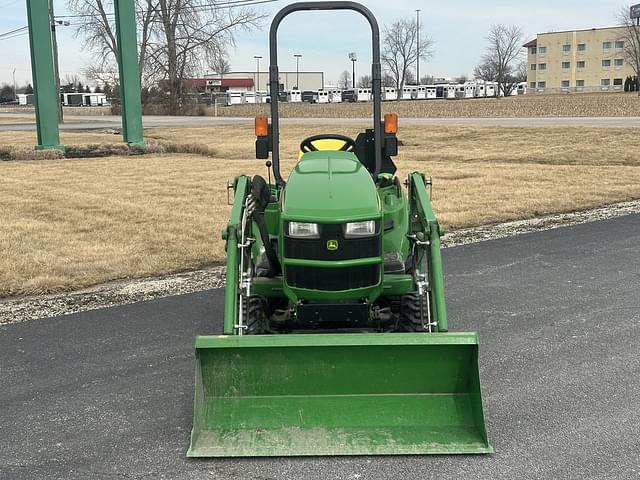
330,144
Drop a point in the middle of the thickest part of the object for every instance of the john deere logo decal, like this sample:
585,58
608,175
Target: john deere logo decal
332,245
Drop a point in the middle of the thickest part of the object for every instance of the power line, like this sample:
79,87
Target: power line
13,31
225,4
14,36
194,8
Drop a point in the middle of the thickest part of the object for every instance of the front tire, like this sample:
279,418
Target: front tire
257,320
414,313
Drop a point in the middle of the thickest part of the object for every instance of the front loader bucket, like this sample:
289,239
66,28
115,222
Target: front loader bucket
337,394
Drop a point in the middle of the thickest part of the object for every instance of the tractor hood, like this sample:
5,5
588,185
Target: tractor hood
330,187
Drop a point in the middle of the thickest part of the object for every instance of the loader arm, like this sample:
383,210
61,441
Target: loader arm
425,226
230,234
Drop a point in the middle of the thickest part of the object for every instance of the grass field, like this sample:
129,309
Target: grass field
578,105
13,119
70,223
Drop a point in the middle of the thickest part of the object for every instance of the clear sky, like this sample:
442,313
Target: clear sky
457,27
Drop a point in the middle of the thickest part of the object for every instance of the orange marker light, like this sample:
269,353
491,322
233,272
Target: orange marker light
261,126
390,123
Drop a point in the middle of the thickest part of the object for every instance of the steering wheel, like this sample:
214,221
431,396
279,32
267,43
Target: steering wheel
307,145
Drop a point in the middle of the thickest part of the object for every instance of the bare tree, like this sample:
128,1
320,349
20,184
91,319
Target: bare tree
521,71
103,72
344,81
7,93
364,81
177,38
485,71
631,38
388,80
98,30
498,64
400,50
220,64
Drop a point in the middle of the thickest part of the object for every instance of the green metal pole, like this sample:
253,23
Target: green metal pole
46,98
129,74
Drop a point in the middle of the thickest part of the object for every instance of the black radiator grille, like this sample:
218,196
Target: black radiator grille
348,248
333,279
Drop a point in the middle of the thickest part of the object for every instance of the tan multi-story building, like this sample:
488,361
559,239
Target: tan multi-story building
577,61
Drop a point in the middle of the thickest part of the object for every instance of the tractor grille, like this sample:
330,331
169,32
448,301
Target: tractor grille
348,248
333,279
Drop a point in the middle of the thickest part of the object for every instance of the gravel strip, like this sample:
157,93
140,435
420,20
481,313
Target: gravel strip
131,291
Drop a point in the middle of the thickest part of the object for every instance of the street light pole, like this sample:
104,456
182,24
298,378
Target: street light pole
15,94
353,57
418,47
257,83
298,56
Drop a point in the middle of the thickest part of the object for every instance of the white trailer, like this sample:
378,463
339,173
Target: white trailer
261,96
449,92
406,93
522,88
294,96
235,97
363,95
250,97
469,90
431,92
321,96
72,99
421,92
94,99
490,89
389,93
481,90
25,98
335,95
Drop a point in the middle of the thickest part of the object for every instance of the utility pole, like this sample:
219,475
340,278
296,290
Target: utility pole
418,47
353,57
257,83
56,71
298,56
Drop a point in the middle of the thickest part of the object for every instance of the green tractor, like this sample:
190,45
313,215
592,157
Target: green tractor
335,334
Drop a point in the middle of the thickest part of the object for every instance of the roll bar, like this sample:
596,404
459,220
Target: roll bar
274,81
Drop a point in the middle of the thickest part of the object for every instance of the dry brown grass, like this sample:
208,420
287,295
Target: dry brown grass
578,105
69,223
13,119
96,145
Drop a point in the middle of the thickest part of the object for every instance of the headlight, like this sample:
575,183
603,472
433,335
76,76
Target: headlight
360,229
303,230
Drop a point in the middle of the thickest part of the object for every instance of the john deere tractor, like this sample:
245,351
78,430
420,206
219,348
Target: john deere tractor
335,334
